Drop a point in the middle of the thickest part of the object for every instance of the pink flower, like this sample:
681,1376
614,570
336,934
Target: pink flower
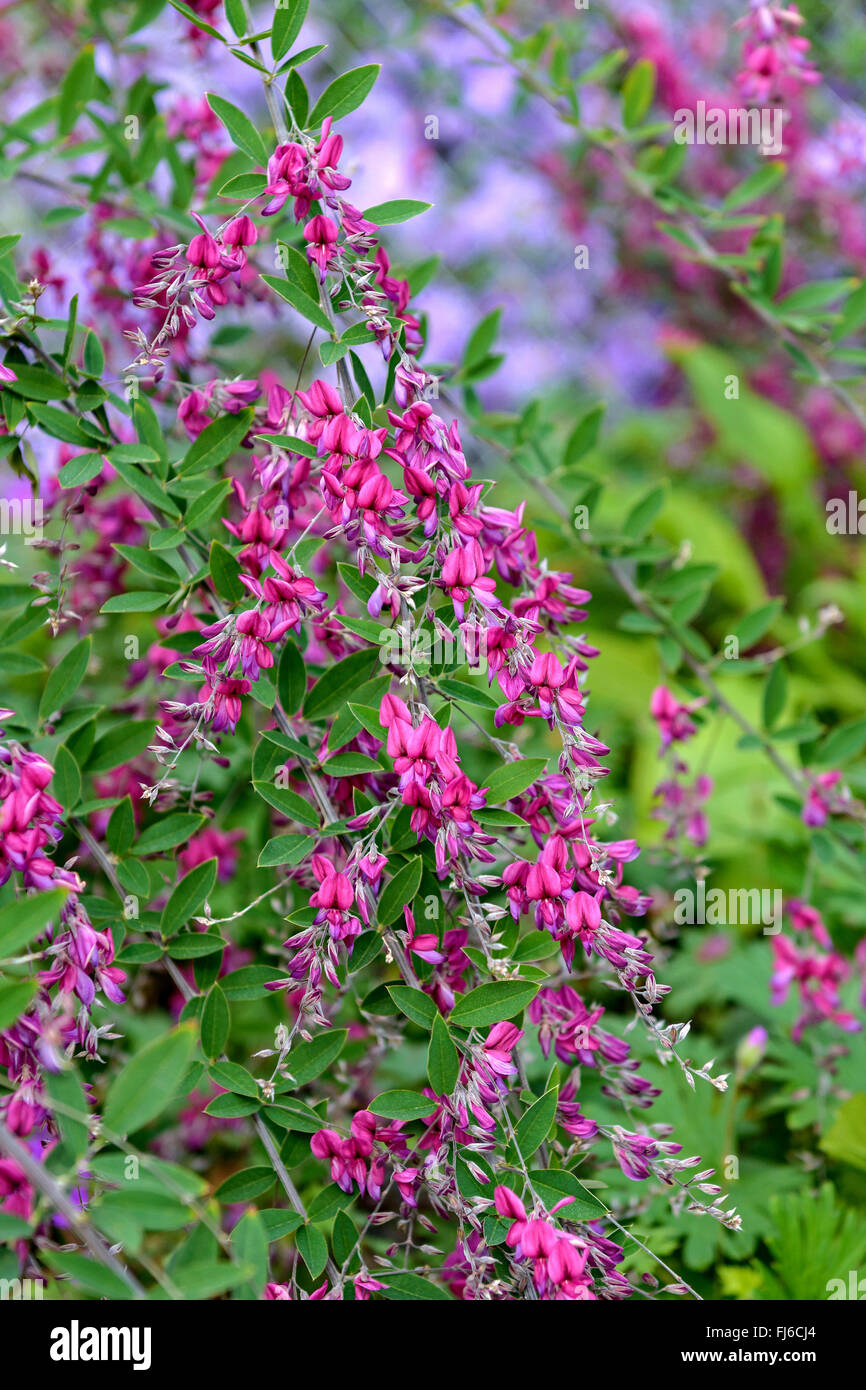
321,235
672,716
227,705
203,250
819,803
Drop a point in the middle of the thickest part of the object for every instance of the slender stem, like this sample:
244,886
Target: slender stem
633,593
630,1236
40,1178
639,184
289,1187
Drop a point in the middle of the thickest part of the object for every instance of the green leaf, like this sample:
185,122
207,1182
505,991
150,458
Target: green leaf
243,186
279,1223
65,678
534,1124
759,183
196,20
63,426
88,1274
308,1060
328,1202
350,765
248,982
168,832
290,1113
290,442
149,1082
399,210
637,93
813,296
552,1184
845,1140
15,998
216,443
93,356
120,832
775,694
853,314
285,849
644,513
501,818
75,90
491,1003
481,339
13,1227
215,1022
207,1278
405,1287
288,802
250,1240
291,676
584,436
134,878
312,1249
344,1237
66,783
36,384
147,562
234,1078
65,1089
753,627
332,690
842,744
301,274
468,693
138,601
246,1185
514,778
299,301
206,505
415,1004
368,718
289,17
239,127
224,571
443,1063
119,745
402,1105
80,470
400,890
193,944
187,897
236,16
344,94
22,921
331,352
231,1107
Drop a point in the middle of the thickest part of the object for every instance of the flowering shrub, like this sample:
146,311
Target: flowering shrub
326,972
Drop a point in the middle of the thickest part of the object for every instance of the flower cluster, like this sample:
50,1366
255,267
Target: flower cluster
817,974
682,803
775,54
77,963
